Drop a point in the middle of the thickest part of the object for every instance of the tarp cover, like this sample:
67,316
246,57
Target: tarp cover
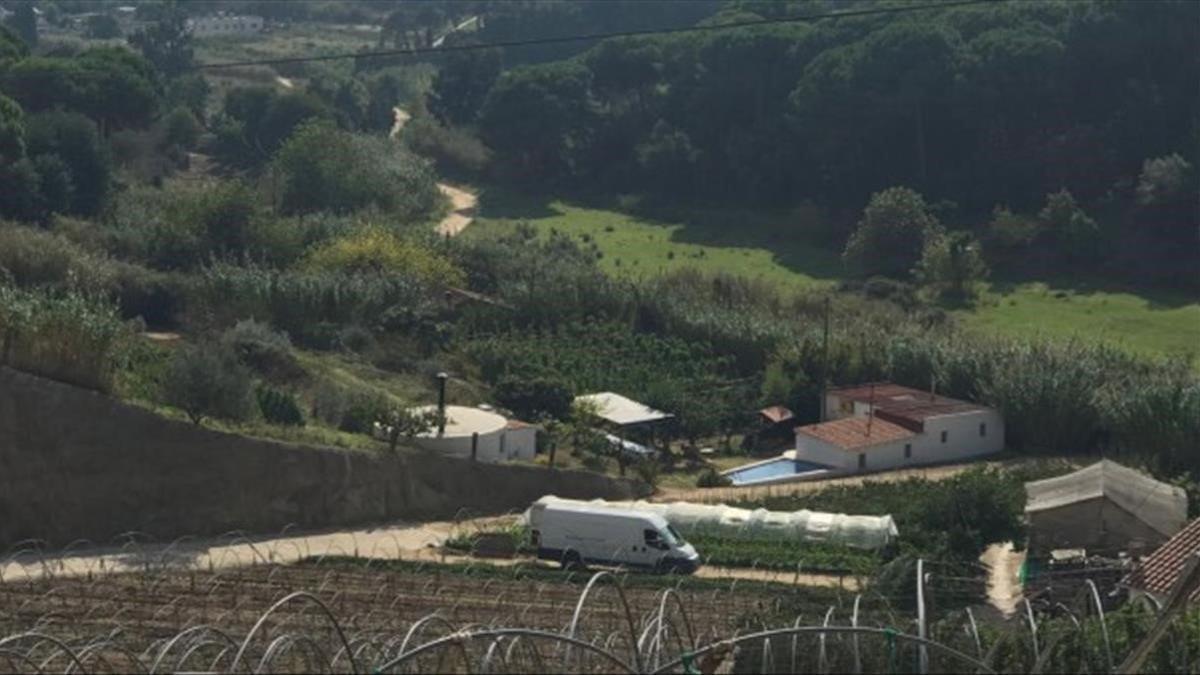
620,410
1161,506
863,532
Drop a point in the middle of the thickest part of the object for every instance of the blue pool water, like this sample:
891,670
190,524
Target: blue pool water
774,469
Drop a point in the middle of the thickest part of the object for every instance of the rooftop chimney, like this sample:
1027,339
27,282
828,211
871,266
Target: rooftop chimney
442,377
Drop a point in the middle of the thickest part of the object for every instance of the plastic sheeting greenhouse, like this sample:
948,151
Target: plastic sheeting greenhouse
864,532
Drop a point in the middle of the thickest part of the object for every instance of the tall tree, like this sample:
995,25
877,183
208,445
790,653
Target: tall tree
462,84
895,227
538,117
24,23
167,43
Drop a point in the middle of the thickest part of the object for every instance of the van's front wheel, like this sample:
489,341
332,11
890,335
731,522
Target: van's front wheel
571,561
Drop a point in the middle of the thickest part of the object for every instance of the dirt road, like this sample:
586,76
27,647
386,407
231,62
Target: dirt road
412,542
462,211
1004,586
403,542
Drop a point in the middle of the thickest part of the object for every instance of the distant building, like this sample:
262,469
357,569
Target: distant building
225,24
884,426
1158,573
474,432
1104,509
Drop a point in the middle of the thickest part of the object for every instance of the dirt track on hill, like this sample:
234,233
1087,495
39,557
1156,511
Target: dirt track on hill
462,212
402,542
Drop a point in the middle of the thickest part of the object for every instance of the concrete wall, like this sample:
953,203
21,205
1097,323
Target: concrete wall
78,464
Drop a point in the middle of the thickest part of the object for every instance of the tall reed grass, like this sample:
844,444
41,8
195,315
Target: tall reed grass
63,335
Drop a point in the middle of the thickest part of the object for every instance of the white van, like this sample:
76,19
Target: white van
575,535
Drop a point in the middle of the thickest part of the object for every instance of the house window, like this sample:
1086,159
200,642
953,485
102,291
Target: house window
945,435
907,450
862,461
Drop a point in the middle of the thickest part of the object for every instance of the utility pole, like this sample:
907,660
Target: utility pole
825,363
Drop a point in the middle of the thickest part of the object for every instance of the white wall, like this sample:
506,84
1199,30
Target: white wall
809,449
498,446
962,437
521,443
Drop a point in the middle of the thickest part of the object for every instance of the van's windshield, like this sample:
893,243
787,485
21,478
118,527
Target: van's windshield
672,537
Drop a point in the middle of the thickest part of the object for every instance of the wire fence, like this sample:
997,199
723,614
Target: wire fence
343,614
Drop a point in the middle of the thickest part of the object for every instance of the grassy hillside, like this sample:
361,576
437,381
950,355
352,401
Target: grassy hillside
755,245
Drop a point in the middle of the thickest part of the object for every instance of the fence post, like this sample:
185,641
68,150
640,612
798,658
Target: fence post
474,446
922,654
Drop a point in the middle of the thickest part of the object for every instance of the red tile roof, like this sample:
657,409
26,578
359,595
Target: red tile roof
776,414
851,433
904,405
1159,570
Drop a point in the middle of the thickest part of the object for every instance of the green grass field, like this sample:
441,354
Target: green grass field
757,245
1148,323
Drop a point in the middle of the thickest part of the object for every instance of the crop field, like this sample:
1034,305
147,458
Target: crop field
360,615
758,245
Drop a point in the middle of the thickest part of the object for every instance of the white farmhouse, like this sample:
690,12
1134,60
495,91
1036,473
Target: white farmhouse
882,426
224,24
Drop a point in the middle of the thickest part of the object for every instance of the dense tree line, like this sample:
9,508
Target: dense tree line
973,107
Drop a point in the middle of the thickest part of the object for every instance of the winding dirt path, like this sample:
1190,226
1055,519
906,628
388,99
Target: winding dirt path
462,213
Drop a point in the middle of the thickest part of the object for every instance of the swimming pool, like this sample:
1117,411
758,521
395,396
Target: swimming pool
775,471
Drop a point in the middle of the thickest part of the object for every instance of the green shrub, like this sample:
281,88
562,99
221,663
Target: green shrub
710,477
66,336
325,169
279,407
30,257
451,149
181,128
206,380
264,350
535,399
329,404
355,339
362,412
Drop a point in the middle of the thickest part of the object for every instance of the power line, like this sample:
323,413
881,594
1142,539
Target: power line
412,51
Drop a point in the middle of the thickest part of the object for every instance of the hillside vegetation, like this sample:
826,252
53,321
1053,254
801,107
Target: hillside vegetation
283,242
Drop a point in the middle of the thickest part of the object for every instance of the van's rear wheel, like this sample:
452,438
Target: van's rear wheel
571,561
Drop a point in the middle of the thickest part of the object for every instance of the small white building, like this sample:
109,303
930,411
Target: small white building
218,25
496,439
884,426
